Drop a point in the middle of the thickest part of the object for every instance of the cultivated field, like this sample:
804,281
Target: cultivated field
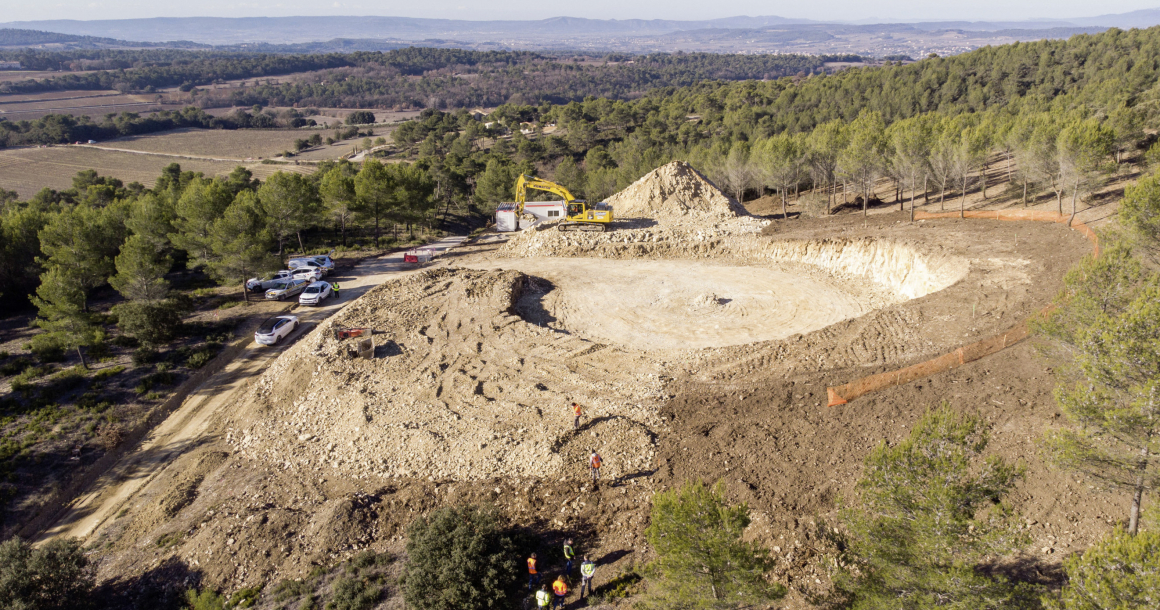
27,170
17,75
236,144
92,103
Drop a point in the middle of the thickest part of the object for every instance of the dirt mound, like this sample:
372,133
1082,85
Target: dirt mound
673,191
460,387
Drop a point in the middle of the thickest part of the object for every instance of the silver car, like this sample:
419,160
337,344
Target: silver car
316,293
287,288
272,331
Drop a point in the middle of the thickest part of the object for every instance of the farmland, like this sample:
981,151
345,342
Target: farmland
241,144
27,170
97,103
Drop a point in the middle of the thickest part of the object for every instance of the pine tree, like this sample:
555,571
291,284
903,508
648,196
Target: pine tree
375,194
60,300
141,271
338,195
290,204
1121,572
928,512
1108,322
702,561
240,243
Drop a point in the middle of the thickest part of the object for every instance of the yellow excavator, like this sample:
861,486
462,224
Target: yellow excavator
576,214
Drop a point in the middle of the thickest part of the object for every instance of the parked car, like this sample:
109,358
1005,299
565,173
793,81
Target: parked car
322,260
310,273
268,281
272,331
316,293
286,288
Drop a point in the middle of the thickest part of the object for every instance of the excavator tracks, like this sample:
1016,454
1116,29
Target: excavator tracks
591,227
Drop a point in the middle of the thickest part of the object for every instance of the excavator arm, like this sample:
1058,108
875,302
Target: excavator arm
526,182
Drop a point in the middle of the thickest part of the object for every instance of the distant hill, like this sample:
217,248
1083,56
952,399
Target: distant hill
743,34
17,38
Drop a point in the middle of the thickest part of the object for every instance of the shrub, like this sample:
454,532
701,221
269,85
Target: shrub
354,594
199,359
46,348
245,598
144,355
153,323
104,374
55,576
125,341
15,366
360,117
205,600
461,559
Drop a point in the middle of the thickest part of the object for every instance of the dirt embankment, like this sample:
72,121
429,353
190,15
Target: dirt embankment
467,399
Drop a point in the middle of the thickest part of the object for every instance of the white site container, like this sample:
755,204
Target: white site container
505,217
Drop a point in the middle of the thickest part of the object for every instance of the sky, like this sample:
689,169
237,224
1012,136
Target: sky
821,10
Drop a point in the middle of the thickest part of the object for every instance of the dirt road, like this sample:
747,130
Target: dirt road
187,427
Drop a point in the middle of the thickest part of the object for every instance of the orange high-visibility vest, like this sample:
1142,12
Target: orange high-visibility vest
560,587
595,463
531,566
576,408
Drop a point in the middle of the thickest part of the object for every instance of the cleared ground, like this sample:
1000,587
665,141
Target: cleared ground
664,304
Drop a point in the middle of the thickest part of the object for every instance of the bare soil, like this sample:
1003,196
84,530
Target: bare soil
326,454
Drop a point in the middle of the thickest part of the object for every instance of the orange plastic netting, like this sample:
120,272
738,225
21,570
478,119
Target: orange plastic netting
839,395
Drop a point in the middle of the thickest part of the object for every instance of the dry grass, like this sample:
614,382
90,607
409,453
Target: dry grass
27,170
15,75
241,143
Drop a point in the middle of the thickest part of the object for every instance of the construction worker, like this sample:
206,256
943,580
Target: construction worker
561,589
594,462
334,287
576,410
569,555
543,598
533,575
587,571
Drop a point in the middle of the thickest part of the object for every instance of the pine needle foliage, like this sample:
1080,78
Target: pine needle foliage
702,562
928,515
460,559
1121,572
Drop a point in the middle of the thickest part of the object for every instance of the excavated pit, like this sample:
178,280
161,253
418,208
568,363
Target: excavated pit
781,289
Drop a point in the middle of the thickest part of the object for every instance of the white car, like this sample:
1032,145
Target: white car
316,293
322,260
272,331
265,282
309,273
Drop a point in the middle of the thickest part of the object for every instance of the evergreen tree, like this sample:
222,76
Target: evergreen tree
825,144
702,560
1121,572
198,206
780,160
141,271
375,192
1084,147
60,300
911,141
1108,321
862,159
81,242
928,512
460,559
240,242
338,195
289,204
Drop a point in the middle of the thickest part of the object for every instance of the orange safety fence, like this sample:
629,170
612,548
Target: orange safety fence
840,395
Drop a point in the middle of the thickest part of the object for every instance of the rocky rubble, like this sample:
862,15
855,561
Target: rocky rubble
460,388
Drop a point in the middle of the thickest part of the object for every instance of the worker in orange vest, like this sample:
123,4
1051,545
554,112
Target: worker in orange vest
576,410
533,576
561,590
594,462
